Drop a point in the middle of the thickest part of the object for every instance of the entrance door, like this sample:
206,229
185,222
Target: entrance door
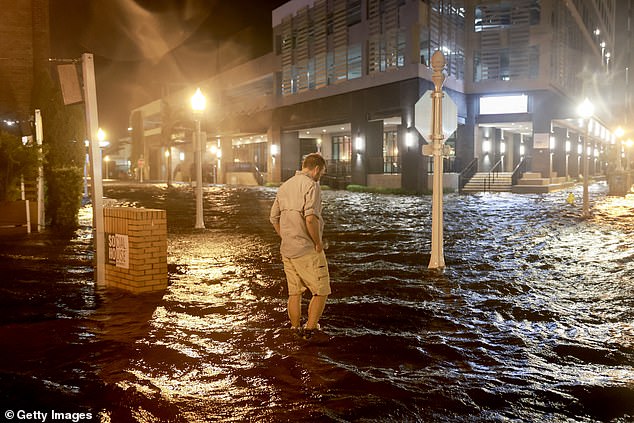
307,146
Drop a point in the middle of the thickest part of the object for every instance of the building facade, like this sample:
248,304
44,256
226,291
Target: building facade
24,46
345,75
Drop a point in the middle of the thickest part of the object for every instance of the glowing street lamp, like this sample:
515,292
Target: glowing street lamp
198,106
103,143
585,110
101,136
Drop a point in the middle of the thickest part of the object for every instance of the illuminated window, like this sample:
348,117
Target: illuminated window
342,148
391,156
493,105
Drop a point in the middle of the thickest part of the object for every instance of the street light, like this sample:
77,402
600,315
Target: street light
585,110
103,143
198,106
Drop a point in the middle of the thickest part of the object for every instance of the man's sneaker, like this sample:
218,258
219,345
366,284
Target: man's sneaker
308,333
297,332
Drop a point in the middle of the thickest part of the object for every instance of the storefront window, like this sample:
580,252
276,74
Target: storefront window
341,148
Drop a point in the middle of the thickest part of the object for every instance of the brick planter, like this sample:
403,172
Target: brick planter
136,248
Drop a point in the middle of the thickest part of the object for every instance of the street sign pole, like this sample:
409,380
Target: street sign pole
92,123
437,259
443,123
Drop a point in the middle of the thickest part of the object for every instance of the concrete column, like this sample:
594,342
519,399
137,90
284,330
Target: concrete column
559,152
507,139
226,147
274,168
367,149
290,157
573,156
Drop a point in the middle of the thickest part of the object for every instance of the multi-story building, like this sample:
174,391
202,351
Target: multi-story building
344,77
24,46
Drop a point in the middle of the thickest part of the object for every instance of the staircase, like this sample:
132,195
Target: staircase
489,181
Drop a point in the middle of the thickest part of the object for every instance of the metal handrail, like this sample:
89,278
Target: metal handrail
467,173
490,179
519,170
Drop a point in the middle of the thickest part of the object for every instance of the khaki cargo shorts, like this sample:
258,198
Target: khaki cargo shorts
307,272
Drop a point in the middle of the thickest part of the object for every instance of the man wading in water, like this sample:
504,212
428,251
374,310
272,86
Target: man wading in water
296,217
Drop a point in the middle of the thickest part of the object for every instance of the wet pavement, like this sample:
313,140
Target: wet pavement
532,320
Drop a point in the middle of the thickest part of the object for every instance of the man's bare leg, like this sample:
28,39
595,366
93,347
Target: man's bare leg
315,309
295,310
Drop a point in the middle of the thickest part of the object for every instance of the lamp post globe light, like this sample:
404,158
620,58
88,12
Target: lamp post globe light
198,106
585,111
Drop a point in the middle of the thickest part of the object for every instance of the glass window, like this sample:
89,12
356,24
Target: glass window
391,155
353,8
342,148
354,61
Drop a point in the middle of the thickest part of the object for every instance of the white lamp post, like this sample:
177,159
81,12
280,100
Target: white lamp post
198,106
585,110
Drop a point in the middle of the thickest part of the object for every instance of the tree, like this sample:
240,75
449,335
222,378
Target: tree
170,118
16,160
64,152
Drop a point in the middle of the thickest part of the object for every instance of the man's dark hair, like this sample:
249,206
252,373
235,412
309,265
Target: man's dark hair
314,160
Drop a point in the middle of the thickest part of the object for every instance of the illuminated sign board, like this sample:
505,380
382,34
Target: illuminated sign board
501,105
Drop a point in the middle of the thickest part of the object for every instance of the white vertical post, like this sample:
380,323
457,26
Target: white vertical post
437,259
199,145
92,125
39,136
586,111
198,106
26,202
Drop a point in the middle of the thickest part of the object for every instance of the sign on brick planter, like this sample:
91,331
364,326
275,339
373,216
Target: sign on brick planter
136,248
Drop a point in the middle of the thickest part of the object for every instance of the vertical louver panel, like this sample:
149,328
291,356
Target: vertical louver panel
386,47
340,41
505,51
301,25
374,38
287,55
320,46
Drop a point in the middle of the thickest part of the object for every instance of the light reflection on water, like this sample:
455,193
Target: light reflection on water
531,321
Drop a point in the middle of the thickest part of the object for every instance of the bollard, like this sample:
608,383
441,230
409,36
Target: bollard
136,248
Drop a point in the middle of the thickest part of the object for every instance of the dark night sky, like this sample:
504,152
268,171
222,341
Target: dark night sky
140,44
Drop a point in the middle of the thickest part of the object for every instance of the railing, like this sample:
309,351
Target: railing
519,170
337,168
338,173
467,173
493,173
384,164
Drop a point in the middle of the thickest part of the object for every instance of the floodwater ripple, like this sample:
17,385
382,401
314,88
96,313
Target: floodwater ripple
531,320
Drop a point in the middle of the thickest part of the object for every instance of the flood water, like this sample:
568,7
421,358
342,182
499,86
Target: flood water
532,320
